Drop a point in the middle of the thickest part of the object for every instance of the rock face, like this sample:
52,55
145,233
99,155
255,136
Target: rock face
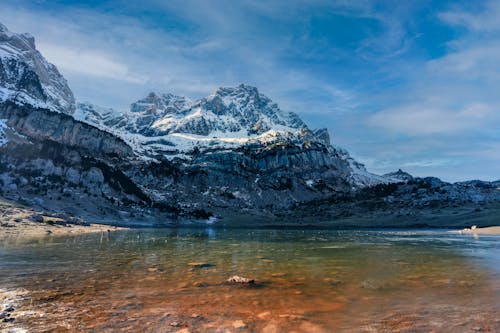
26,77
234,154
398,176
41,124
169,127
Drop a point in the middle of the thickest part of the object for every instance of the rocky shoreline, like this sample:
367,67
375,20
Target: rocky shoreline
20,222
494,230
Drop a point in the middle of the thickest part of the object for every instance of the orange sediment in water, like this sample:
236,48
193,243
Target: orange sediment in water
366,283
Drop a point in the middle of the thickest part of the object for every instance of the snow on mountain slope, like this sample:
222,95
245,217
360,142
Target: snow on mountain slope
230,110
102,118
398,176
172,125
359,175
165,125
3,126
169,126
27,78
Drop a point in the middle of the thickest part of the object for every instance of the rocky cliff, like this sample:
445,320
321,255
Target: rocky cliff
27,78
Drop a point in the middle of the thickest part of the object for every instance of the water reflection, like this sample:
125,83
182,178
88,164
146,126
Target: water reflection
308,280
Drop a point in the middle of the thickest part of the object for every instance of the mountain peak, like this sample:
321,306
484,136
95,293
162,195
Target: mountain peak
27,78
241,88
399,175
3,28
160,103
241,92
12,44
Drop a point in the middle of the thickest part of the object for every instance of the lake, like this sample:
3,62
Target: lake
169,280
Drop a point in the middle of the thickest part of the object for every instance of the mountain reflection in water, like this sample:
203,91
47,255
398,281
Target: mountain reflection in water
307,281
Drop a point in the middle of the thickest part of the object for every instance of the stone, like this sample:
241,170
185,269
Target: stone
37,218
73,176
270,328
311,328
183,330
241,280
239,324
264,315
335,283
200,264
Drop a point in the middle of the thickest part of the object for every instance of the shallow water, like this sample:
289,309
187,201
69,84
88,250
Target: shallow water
307,281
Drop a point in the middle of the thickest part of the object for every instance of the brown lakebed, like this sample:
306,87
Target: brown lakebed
173,280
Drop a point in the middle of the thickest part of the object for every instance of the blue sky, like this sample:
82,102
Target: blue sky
400,84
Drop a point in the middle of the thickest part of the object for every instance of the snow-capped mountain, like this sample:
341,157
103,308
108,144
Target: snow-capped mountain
231,115
27,78
169,126
234,111
398,176
232,154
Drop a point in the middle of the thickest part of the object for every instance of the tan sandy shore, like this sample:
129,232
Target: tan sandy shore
22,222
481,231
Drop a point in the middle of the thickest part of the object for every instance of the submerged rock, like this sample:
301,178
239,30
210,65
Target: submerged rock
264,315
241,280
37,218
9,309
200,264
239,324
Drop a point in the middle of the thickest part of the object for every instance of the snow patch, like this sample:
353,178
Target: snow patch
211,220
3,126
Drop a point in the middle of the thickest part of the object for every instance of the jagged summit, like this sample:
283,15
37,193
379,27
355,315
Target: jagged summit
254,109
237,112
398,176
161,104
229,117
27,78
168,126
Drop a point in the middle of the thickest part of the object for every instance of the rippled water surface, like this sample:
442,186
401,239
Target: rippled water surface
306,281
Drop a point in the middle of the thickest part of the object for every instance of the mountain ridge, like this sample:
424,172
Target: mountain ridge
231,155
26,77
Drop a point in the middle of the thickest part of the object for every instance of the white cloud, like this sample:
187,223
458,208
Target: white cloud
427,119
88,62
120,54
469,60
483,20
